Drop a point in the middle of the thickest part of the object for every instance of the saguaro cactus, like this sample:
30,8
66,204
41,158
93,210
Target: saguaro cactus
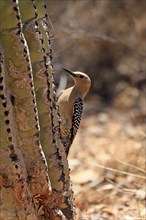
34,170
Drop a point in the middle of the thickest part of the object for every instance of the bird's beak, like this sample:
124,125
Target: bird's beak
70,72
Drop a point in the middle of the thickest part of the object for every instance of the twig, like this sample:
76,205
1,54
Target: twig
119,171
127,164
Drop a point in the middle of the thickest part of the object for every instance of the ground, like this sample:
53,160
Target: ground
107,161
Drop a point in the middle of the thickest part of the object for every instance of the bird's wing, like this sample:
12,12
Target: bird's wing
76,118
77,114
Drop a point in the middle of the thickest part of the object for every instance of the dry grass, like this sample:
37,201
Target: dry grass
107,163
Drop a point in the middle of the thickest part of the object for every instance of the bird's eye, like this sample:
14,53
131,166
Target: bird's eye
81,76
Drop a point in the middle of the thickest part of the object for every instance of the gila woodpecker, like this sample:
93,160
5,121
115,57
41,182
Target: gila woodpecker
70,104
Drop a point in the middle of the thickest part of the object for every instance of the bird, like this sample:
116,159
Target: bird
70,103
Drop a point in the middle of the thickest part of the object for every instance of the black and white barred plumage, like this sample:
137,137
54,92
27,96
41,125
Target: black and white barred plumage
76,119
77,114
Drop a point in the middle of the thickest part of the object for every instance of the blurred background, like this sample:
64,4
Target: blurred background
104,38
107,40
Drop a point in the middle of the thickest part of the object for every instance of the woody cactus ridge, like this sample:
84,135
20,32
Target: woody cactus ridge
70,104
34,172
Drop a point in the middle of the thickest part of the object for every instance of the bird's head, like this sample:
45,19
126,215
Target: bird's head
82,80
